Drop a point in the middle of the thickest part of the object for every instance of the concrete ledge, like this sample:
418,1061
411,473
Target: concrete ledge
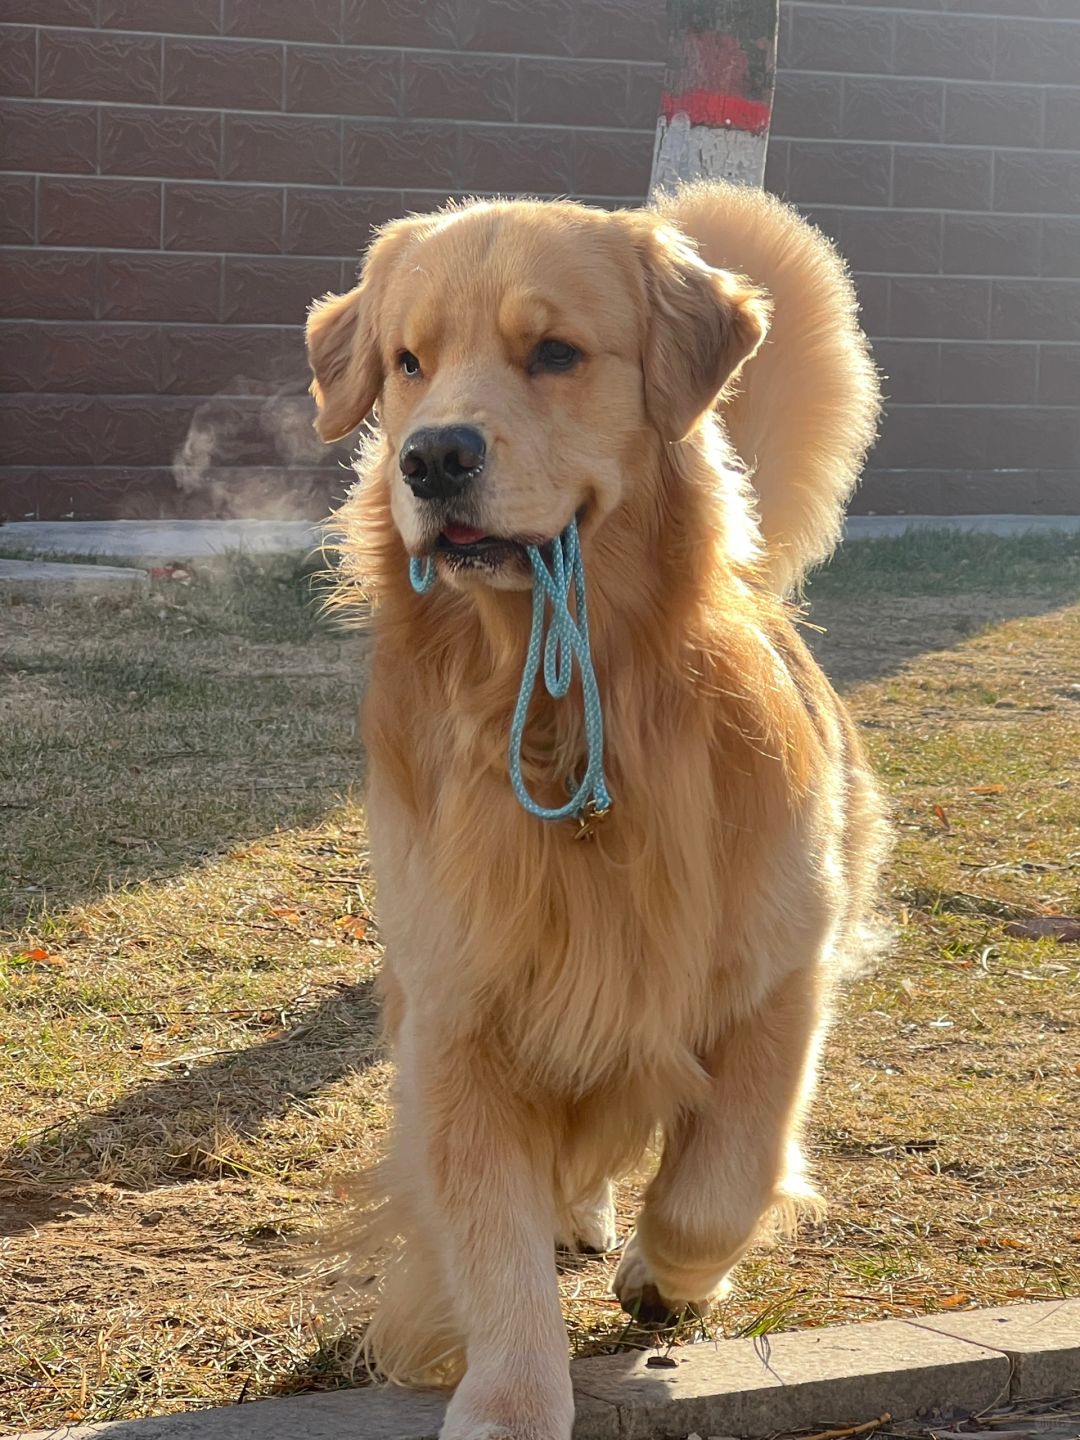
86,577
792,1380
157,541
887,527
160,540
1042,1342
371,1414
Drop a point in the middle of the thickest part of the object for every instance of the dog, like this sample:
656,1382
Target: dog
552,1005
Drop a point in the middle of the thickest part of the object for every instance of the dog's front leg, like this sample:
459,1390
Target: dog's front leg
727,1160
489,1168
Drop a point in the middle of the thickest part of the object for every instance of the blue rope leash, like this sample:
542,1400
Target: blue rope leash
566,641
422,574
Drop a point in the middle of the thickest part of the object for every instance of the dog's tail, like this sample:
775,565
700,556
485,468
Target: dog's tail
806,408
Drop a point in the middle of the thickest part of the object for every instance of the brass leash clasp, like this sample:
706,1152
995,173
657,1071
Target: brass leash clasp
589,820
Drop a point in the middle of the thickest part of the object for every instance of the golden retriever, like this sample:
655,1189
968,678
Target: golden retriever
552,1005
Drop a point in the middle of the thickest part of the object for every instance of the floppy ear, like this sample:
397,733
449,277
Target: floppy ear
702,324
343,342
345,361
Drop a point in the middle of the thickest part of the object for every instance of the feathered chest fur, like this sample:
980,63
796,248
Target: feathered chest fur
648,924
578,958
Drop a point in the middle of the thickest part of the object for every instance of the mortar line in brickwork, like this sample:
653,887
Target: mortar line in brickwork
386,121
378,121
804,203
427,50
946,79
937,15
937,146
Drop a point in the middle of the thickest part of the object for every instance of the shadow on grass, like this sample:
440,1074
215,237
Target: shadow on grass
172,1129
145,732
877,639
883,603
142,733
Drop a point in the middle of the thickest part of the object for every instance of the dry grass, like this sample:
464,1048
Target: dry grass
188,1041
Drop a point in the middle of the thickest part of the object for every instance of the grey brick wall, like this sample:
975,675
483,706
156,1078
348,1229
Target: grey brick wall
938,142
182,176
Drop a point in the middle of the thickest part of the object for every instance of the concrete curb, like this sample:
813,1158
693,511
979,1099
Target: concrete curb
887,527
86,577
966,1362
158,541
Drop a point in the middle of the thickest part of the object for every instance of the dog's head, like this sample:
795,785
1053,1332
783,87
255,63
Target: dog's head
524,357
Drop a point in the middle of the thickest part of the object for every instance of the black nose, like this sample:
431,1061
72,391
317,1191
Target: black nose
438,464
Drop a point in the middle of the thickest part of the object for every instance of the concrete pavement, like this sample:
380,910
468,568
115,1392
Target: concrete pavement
945,1366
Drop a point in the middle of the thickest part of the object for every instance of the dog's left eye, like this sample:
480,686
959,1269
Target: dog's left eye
554,355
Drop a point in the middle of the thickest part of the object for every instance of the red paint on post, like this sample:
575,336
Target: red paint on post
719,81
716,106
704,107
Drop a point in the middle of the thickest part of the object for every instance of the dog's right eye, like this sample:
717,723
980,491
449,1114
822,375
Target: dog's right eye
553,355
408,363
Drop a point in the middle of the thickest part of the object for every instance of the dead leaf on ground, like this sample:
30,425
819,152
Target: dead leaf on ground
353,925
942,817
988,790
39,956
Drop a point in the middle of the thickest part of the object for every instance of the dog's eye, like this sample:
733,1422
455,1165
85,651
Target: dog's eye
409,363
554,355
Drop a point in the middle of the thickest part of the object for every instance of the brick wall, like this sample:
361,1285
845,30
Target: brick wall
942,152
184,175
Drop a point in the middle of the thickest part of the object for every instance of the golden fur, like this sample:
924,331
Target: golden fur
553,1004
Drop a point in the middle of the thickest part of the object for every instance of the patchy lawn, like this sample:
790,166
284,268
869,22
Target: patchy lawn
189,1055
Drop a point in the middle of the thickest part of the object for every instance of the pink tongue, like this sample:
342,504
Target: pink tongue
463,534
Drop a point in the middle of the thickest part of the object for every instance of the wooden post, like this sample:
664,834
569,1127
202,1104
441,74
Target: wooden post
718,92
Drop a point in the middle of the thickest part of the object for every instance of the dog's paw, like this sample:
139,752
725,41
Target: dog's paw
592,1224
650,1301
479,1412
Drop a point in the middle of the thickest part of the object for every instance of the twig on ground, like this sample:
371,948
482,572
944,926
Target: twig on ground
844,1431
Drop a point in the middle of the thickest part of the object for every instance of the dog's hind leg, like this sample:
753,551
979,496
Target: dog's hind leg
727,1161
604,1135
589,1227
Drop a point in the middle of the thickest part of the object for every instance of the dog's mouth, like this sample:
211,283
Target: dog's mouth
465,548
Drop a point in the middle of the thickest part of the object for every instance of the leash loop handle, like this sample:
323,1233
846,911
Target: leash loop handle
565,644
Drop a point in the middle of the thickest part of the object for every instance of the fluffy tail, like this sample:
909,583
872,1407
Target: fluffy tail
806,411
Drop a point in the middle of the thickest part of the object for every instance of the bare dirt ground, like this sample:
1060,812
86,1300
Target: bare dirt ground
188,1050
